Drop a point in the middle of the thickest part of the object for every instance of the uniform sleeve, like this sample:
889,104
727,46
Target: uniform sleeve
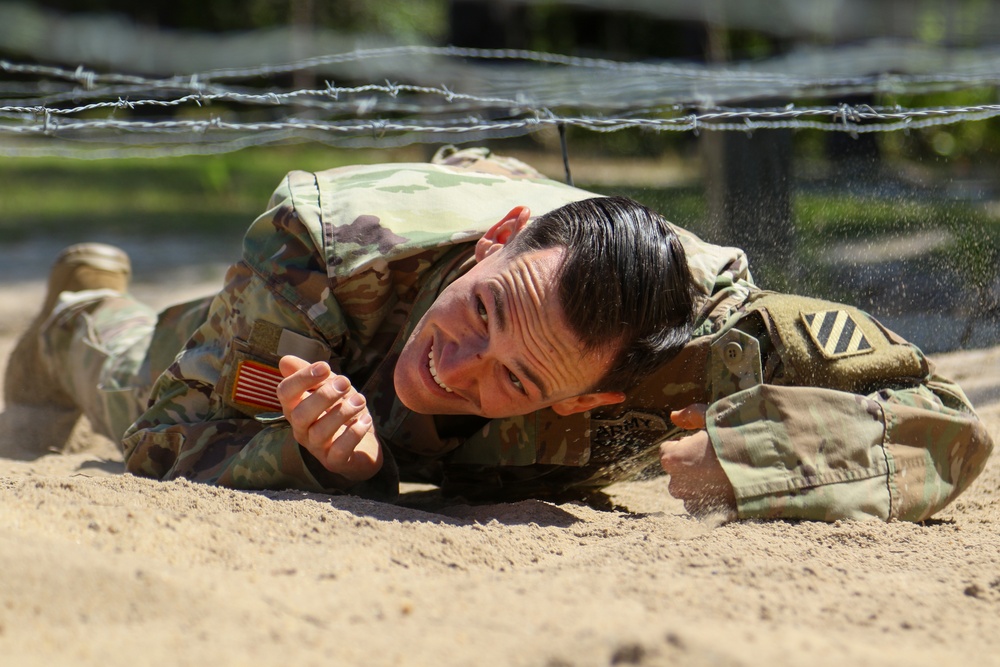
181,436
196,427
822,454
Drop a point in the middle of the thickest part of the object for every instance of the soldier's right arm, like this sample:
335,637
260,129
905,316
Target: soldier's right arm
198,427
204,421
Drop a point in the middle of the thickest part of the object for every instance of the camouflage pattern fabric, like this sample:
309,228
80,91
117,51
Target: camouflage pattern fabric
344,263
96,345
350,258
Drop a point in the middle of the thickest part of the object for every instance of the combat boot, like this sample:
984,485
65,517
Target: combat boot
40,415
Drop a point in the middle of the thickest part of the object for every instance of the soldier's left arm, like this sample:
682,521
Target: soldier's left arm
823,454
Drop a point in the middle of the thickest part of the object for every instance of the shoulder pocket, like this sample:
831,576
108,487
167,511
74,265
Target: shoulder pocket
832,345
250,373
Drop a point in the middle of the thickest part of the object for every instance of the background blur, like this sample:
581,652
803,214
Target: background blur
905,223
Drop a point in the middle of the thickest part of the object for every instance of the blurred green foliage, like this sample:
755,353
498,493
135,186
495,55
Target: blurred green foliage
407,20
224,192
683,206
969,232
959,142
187,195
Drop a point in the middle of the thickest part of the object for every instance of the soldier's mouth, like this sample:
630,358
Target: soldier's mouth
433,370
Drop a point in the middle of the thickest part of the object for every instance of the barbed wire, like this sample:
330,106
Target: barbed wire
851,119
199,110
980,69
275,99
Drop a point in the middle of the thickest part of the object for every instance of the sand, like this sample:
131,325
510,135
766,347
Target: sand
101,568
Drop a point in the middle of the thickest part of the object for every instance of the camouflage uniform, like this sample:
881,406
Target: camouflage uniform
344,263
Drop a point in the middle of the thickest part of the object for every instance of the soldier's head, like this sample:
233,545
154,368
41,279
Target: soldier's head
568,311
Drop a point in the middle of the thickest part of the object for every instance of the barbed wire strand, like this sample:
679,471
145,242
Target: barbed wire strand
983,72
786,119
405,111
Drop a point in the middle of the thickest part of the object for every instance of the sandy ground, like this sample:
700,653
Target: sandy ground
101,568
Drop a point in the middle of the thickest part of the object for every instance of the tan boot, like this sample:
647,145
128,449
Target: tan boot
41,412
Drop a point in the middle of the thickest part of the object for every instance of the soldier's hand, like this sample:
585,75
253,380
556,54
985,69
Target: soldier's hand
329,418
696,476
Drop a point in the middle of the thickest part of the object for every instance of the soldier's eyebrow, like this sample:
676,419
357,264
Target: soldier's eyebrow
499,309
524,371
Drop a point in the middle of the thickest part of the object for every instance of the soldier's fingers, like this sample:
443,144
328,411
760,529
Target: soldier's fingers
696,476
667,455
690,418
684,453
289,364
694,486
339,454
682,487
327,398
300,377
324,427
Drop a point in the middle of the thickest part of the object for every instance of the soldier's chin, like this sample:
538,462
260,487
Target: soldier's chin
406,398
408,385
402,385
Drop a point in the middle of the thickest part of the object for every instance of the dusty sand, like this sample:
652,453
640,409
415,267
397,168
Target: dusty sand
101,568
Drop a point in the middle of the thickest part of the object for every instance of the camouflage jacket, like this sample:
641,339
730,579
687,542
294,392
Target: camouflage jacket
345,262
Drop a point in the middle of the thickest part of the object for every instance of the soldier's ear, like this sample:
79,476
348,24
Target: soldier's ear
584,402
500,234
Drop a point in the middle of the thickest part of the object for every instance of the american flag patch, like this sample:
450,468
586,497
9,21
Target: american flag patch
836,333
256,385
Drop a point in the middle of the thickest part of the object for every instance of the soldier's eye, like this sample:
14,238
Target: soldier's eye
514,380
481,309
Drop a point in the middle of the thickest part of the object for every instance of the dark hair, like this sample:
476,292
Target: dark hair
624,282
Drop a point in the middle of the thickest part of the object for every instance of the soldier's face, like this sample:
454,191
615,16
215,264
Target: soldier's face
495,343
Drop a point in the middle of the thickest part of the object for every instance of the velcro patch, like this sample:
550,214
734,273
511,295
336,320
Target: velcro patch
836,334
256,385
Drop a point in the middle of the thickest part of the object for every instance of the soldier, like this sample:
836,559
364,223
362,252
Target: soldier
378,328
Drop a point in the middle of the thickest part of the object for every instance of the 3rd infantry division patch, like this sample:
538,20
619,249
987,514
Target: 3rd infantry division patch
836,333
